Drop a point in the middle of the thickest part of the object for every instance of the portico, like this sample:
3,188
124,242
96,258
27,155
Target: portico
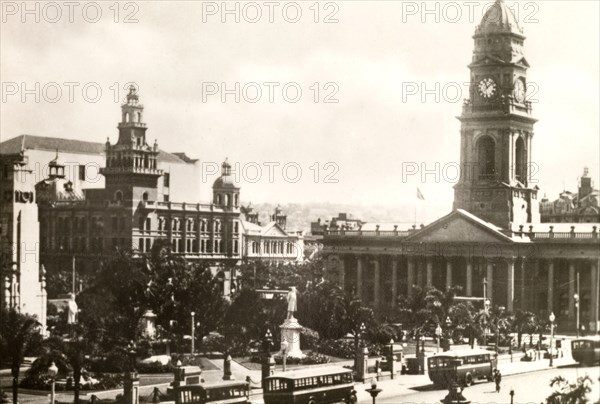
533,271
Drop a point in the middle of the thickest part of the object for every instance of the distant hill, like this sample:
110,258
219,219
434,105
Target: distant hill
300,215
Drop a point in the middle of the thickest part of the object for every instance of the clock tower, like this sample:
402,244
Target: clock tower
497,127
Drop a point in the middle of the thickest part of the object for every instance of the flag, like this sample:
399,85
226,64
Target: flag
420,194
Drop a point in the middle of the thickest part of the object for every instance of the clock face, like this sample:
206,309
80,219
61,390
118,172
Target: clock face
487,87
519,90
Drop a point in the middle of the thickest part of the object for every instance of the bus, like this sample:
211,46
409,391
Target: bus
462,366
225,392
586,350
310,386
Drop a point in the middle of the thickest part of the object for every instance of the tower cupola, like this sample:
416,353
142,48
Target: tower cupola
226,193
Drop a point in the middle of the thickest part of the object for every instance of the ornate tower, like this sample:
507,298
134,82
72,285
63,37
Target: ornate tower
279,217
131,164
497,126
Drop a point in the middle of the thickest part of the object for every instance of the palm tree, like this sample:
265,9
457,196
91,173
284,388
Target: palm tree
523,322
465,318
570,393
20,333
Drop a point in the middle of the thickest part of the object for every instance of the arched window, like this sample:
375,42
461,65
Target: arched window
118,196
127,117
227,200
138,116
486,152
236,199
218,199
145,196
520,161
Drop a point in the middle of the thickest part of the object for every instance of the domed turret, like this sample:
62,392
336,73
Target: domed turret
56,168
499,18
226,193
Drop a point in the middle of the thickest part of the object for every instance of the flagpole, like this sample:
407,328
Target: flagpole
415,213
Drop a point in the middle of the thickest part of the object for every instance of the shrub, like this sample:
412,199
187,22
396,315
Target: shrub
155,367
312,358
339,348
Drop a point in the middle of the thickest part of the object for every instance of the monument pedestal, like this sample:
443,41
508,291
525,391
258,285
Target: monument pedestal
290,332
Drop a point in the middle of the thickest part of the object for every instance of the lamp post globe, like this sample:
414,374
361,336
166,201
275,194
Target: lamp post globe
552,317
52,372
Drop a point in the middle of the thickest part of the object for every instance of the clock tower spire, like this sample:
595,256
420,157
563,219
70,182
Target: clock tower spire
497,126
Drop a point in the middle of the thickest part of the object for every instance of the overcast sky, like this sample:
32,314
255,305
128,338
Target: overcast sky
374,51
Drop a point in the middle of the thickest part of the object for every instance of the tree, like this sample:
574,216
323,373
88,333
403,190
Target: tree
465,320
570,393
522,323
127,285
19,335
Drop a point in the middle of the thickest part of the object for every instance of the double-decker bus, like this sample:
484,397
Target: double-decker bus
586,350
310,386
462,366
226,392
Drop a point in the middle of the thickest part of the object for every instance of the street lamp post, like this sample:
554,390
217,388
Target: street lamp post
576,298
373,391
193,332
551,318
486,308
52,372
438,333
512,395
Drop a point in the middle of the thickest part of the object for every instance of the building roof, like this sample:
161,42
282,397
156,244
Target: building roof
499,18
31,142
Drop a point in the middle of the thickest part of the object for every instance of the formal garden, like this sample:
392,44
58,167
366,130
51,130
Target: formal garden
111,337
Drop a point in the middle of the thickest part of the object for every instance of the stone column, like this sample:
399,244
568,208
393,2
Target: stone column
410,276
376,277
419,265
448,273
550,302
595,281
394,282
522,302
572,282
490,280
359,269
429,271
469,290
510,284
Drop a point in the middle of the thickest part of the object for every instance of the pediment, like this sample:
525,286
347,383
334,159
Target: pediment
459,226
488,60
274,231
522,62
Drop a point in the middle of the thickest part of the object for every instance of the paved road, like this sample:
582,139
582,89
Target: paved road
529,388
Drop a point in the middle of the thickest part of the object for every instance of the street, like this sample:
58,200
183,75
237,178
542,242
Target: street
529,388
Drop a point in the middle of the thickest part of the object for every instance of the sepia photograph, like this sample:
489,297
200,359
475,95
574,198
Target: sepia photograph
299,202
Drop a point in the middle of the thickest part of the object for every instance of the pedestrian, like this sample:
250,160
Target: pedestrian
497,380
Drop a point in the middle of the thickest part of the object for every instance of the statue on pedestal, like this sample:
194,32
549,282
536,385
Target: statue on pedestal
291,300
72,307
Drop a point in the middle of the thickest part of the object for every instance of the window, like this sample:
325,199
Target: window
487,159
81,172
141,244
148,224
236,227
145,196
148,244
520,162
118,196
165,198
167,180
